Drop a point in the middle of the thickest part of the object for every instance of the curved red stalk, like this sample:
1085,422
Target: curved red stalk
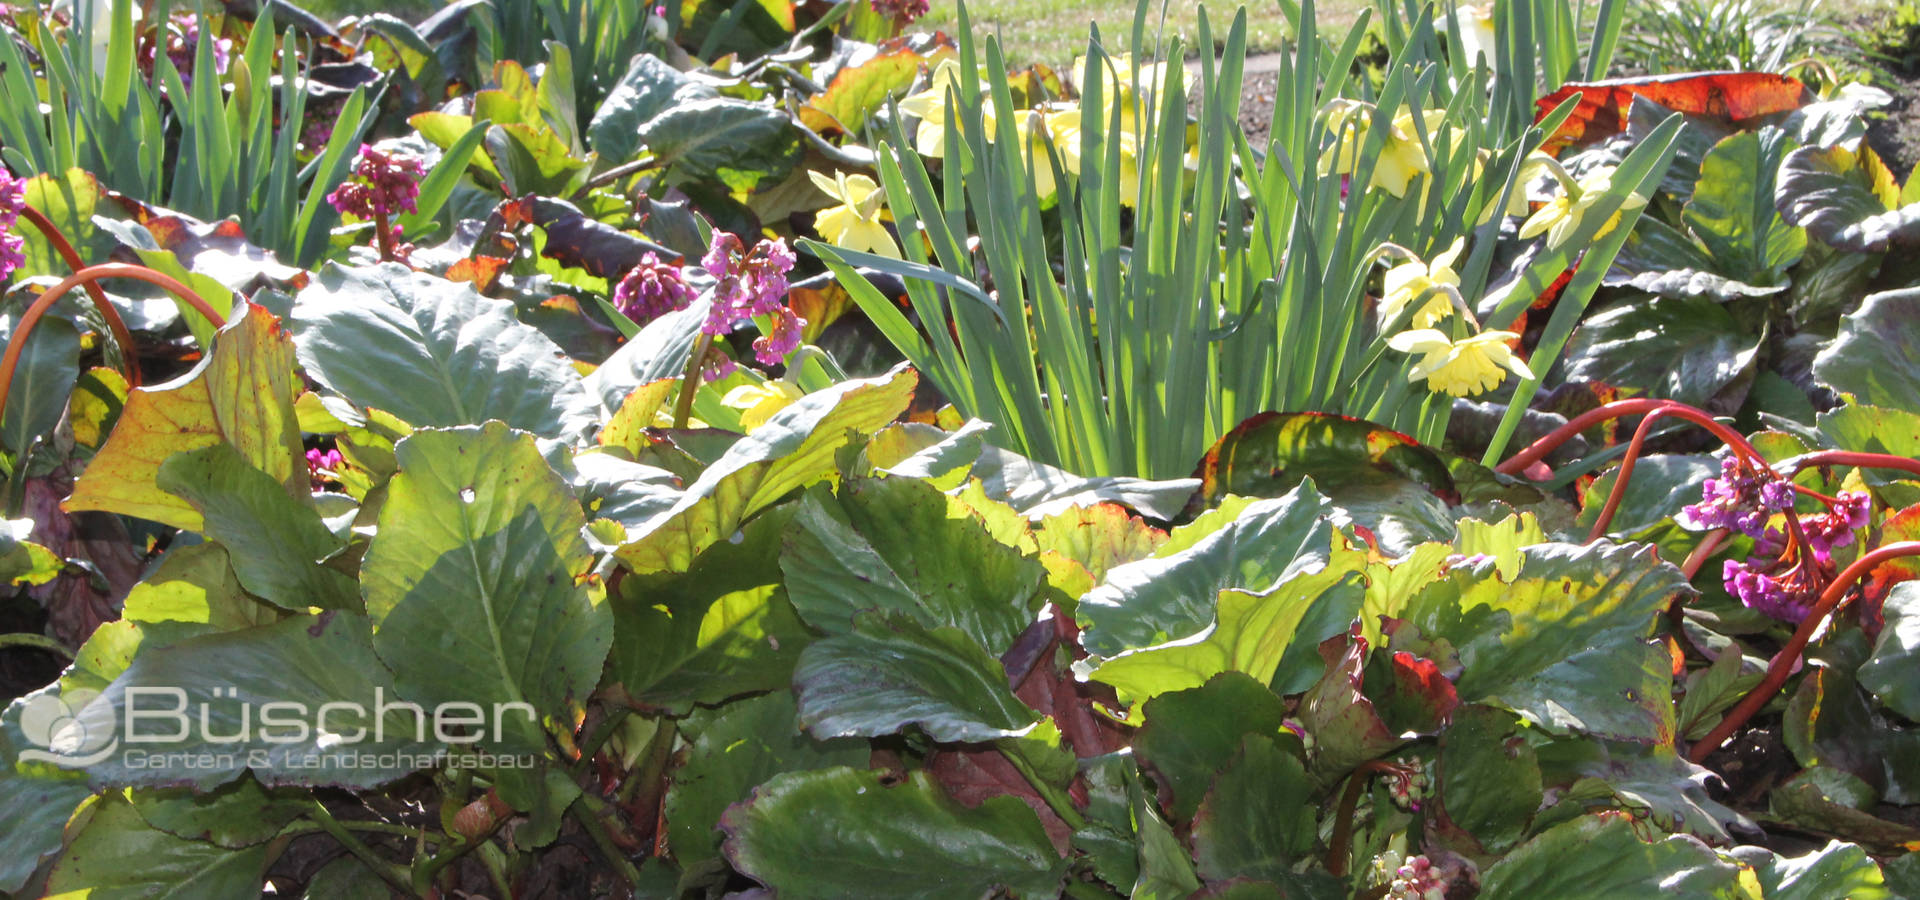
1625,473
116,327
1782,663
17,342
1539,449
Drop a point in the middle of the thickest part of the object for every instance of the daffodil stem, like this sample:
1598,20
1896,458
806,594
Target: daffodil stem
690,381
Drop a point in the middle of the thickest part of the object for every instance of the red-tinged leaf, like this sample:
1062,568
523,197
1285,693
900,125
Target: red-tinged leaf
858,91
1901,526
1346,727
818,303
1411,693
1733,96
483,272
975,776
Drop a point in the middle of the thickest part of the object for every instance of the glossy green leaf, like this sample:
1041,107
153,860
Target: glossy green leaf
117,854
1190,736
275,542
739,746
303,663
36,799
742,145
1172,594
1846,199
42,380
720,629
793,449
1893,672
899,545
904,840
1250,634
235,815
649,88
1258,818
476,580
242,393
890,673
1837,870
1489,777
1564,643
1875,358
1603,858
1732,208
1677,349
435,353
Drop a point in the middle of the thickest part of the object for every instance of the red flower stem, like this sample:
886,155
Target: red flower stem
115,326
1782,663
1539,449
1863,460
1701,553
382,237
1340,846
17,343
1625,473
1810,492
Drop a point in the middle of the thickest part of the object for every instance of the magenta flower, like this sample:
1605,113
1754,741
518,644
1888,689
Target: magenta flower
1738,499
381,185
651,290
751,283
1785,596
323,467
13,199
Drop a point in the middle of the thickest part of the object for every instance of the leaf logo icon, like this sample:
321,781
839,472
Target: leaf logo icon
76,728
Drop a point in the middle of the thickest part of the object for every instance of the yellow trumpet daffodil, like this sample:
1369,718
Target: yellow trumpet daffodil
1561,216
1462,368
1402,155
758,402
1404,283
855,223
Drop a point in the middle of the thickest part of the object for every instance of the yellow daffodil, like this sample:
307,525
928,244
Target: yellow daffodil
1462,368
758,402
1063,125
1402,156
1404,283
1561,216
1473,25
930,106
855,223
1120,74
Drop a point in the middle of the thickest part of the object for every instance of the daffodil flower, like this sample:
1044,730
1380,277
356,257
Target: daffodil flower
855,223
1561,216
1462,368
1404,283
1402,156
1063,125
758,402
930,106
1473,25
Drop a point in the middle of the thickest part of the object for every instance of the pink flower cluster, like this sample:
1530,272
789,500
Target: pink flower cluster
752,283
1776,583
323,467
651,290
382,184
1417,879
13,199
902,12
